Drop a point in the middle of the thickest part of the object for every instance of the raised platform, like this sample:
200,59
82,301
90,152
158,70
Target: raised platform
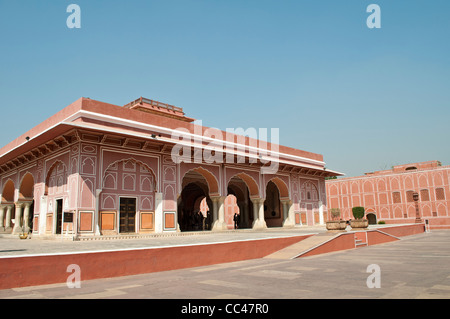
40,262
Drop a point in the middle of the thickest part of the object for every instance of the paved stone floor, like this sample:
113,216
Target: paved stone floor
415,267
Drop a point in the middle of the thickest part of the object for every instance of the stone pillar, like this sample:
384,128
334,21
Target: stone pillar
258,213
219,213
8,218
288,220
18,219
2,217
26,218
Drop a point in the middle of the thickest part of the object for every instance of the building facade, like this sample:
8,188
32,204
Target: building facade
100,169
388,195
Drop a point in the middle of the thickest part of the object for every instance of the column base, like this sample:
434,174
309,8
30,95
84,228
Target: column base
17,230
258,224
219,226
288,223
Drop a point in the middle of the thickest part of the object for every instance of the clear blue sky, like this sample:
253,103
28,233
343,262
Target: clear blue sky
365,98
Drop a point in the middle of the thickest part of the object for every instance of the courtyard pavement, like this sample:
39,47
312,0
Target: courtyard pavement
416,266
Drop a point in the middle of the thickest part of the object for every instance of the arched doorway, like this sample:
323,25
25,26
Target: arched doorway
56,190
8,207
372,218
273,213
26,196
128,197
194,203
240,202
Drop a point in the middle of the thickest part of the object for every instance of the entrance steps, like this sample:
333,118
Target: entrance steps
360,243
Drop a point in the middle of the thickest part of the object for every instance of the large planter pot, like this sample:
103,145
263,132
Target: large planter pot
359,223
336,225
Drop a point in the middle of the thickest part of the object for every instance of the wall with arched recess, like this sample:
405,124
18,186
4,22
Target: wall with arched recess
131,178
110,157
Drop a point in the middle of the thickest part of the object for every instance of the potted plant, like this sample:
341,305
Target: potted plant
336,223
23,234
359,221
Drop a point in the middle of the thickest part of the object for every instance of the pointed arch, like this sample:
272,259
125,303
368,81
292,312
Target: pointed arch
8,191
26,189
282,187
252,185
211,180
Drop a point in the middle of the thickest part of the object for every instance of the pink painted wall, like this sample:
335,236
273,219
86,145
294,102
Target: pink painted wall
386,194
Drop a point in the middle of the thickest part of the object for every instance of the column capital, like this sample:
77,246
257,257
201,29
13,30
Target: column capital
27,204
257,200
217,198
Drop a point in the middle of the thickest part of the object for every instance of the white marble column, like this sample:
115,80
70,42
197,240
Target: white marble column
2,217
8,218
258,214
26,217
18,219
288,220
219,213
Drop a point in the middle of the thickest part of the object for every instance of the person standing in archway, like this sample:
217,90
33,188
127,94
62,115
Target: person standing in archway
237,219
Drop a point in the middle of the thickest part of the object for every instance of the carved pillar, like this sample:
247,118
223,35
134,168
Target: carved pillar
288,220
18,219
8,218
26,217
2,217
258,213
218,213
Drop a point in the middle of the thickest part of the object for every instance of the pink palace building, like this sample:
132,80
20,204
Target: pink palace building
97,169
388,195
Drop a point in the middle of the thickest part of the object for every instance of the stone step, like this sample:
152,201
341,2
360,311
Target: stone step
360,243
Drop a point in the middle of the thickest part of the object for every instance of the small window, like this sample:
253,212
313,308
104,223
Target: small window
440,194
424,195
396,198
410,168
308,195
409,196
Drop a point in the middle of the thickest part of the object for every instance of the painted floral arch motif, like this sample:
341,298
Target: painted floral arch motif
130,168
309,191
56,177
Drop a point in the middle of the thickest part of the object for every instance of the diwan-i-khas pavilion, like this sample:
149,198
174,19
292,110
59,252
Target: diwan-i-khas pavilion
96,169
